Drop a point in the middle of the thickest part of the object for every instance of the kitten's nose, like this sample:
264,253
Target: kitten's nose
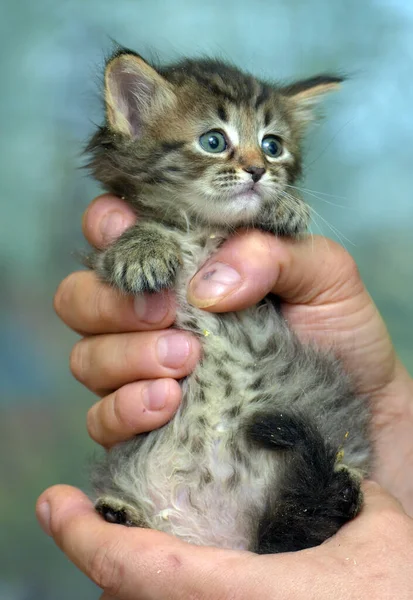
255,172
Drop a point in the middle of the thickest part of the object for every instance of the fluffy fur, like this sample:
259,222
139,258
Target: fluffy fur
270,444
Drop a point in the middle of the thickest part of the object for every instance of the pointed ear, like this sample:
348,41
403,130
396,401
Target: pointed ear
133,92
307,94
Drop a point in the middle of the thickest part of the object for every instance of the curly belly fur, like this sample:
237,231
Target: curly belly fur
191,486
196,478
201,477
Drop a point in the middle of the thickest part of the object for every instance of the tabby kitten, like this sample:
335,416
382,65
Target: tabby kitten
269,446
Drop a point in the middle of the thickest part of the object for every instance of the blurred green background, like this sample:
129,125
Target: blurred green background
359,175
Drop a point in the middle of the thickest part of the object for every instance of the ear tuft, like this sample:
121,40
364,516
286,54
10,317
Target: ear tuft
306,94
133,91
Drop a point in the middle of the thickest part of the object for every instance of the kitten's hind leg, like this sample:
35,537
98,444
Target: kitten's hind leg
313,495
118,511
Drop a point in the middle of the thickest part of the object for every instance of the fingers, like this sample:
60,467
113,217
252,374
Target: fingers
253,263
248,266
133,563
105,219
106,362
240,274
90,307
135,408
139,564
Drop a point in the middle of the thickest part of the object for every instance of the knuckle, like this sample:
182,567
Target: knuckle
110,360
259,241
63,294
350,266
106,568
92,424
103,305
344,260
133,348
121,412
79,361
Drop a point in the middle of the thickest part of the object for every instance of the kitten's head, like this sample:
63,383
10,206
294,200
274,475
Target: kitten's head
204,139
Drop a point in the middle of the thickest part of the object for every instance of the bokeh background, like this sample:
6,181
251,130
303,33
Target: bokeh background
359,178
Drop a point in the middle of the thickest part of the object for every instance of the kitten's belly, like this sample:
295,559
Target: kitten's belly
204,496
205,483
198,478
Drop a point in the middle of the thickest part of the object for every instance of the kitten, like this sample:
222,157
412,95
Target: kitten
270,444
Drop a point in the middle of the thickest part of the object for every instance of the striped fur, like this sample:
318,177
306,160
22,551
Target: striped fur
254,457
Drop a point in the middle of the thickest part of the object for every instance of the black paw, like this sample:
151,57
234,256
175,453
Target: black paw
347,489
114,511
140,261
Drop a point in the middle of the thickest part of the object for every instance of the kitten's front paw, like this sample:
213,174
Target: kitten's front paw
290,217
140,261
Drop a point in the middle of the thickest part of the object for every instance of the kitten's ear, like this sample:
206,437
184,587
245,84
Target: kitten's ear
133,92
307,94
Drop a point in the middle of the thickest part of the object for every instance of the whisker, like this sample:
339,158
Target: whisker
323,237
315,195
301,189
286,196
335,231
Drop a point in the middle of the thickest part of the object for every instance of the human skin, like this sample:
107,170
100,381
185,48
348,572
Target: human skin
324,301
370,557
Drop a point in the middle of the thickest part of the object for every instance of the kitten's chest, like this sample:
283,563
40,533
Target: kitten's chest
207,472
197,247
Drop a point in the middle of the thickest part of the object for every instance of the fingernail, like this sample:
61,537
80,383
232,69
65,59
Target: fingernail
151,308
43,516
173,350
111,226
155,394
212,282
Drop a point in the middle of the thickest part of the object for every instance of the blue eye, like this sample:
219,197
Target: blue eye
272,146
213,141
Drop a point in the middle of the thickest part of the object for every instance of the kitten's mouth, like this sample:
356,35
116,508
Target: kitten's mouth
247,190
244,202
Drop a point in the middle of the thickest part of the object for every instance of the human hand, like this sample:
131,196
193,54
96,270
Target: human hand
323,298
370,557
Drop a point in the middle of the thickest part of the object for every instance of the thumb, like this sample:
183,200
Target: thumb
141,564
377,499
252,263
133,563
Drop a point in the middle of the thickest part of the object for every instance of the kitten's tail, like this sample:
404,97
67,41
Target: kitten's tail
314,494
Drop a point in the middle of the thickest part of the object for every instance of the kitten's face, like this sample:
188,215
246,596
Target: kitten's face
204,139
232,158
